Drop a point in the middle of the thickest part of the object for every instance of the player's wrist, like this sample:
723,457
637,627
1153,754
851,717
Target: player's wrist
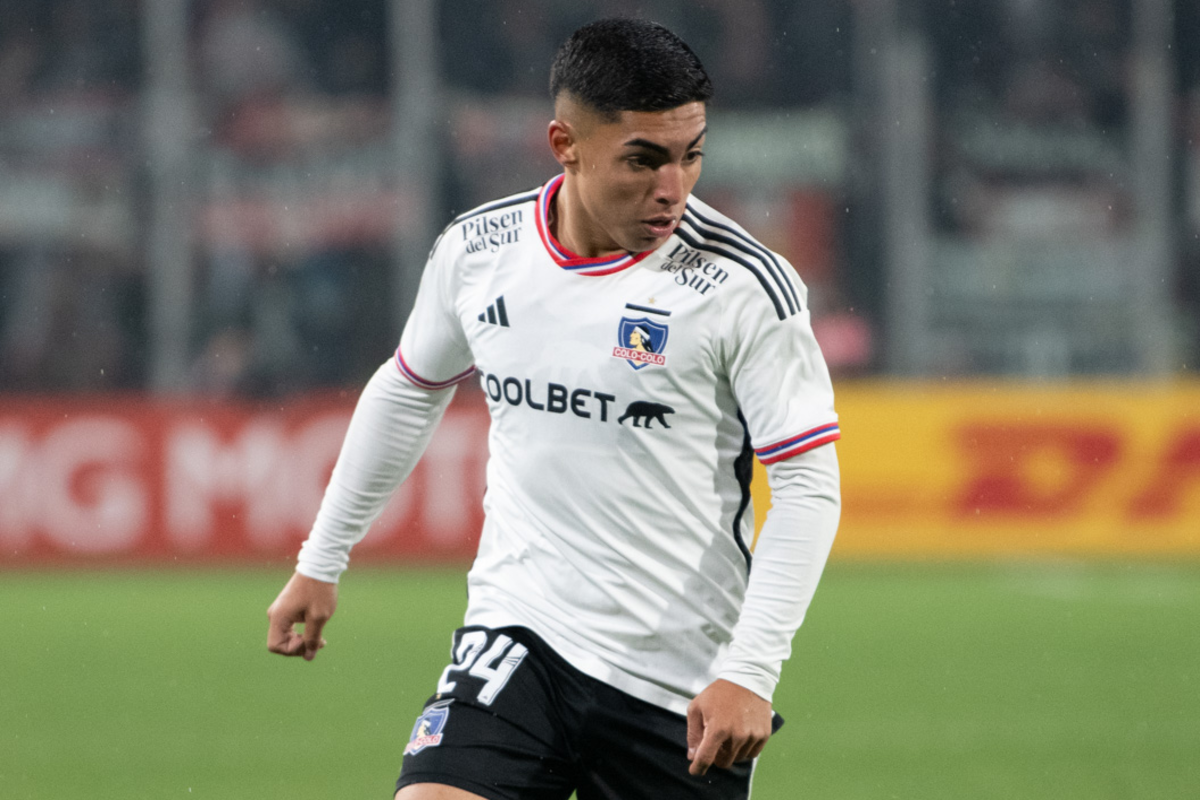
318,572
756,681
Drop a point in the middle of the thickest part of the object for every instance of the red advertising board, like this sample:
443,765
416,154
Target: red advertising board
136,479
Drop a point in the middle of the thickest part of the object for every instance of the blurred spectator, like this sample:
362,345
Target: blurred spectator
1187,45
92,46
71,319
248,50
297,205
346,44
71,302
20,53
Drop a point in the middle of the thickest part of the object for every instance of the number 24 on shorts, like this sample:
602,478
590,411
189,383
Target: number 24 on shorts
473,656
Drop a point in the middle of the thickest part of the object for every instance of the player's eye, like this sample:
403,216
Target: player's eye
695,155
640,161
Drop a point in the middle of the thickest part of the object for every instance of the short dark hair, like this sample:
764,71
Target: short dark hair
621,64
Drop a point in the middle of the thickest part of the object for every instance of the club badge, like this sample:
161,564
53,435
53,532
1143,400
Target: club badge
427,732
641,342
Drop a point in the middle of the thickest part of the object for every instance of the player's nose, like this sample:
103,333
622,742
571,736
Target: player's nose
668,190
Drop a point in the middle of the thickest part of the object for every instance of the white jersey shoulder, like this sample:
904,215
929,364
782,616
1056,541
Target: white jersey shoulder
489,226
706,236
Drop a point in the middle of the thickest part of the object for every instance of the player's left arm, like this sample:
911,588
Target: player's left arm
784,393
730,720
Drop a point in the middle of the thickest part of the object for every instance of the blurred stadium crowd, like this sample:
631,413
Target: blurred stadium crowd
293,204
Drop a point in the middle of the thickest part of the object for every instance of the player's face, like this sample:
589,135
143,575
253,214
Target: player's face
629,179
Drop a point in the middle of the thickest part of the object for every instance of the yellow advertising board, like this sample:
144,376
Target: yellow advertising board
974,469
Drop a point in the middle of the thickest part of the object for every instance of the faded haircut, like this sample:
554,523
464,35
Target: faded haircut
620,64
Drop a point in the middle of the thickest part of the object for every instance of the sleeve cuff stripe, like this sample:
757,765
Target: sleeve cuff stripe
787,444
801,447
427,384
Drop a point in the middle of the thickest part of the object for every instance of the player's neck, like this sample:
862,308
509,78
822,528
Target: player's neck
573,228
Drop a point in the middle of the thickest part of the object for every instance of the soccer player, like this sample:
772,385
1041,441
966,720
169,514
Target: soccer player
617,642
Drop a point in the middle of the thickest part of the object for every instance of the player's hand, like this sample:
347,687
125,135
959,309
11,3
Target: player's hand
726,723
303,600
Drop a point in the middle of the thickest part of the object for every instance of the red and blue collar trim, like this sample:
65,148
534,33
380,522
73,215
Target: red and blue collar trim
596,266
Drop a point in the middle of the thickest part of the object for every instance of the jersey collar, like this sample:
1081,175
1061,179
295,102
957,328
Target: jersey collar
598,265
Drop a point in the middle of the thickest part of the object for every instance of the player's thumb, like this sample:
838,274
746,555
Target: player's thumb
313,640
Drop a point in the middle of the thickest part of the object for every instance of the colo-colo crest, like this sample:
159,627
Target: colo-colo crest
641,342
428,730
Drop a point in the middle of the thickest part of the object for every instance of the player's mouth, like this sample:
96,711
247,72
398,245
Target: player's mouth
659,227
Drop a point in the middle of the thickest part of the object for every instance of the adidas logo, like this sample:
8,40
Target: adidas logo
496,314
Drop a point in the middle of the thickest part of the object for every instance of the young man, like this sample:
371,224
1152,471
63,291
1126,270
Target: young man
637,349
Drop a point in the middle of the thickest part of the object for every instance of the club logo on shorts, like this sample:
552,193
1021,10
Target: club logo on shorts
641,341
427,732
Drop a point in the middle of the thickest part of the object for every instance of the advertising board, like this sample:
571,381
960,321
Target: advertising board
928,471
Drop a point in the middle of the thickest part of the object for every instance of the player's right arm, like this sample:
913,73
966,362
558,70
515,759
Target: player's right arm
393,422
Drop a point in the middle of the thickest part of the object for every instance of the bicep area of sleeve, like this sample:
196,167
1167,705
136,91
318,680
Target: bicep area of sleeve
782,386
433,351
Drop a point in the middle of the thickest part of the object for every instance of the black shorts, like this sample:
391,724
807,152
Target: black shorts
514,721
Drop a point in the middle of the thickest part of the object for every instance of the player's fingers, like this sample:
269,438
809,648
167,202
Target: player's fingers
294,645
309,650
707,751
755,750
312,636
277,631
281,635
291,644
695,728
727,753
744,749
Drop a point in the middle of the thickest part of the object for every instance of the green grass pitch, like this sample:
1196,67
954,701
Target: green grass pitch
909,681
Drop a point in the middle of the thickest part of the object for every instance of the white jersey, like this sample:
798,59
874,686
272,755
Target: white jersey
628,395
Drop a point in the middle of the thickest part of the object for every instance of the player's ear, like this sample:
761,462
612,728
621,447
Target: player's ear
564,143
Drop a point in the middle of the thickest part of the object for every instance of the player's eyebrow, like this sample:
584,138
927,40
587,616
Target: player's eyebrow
658,148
